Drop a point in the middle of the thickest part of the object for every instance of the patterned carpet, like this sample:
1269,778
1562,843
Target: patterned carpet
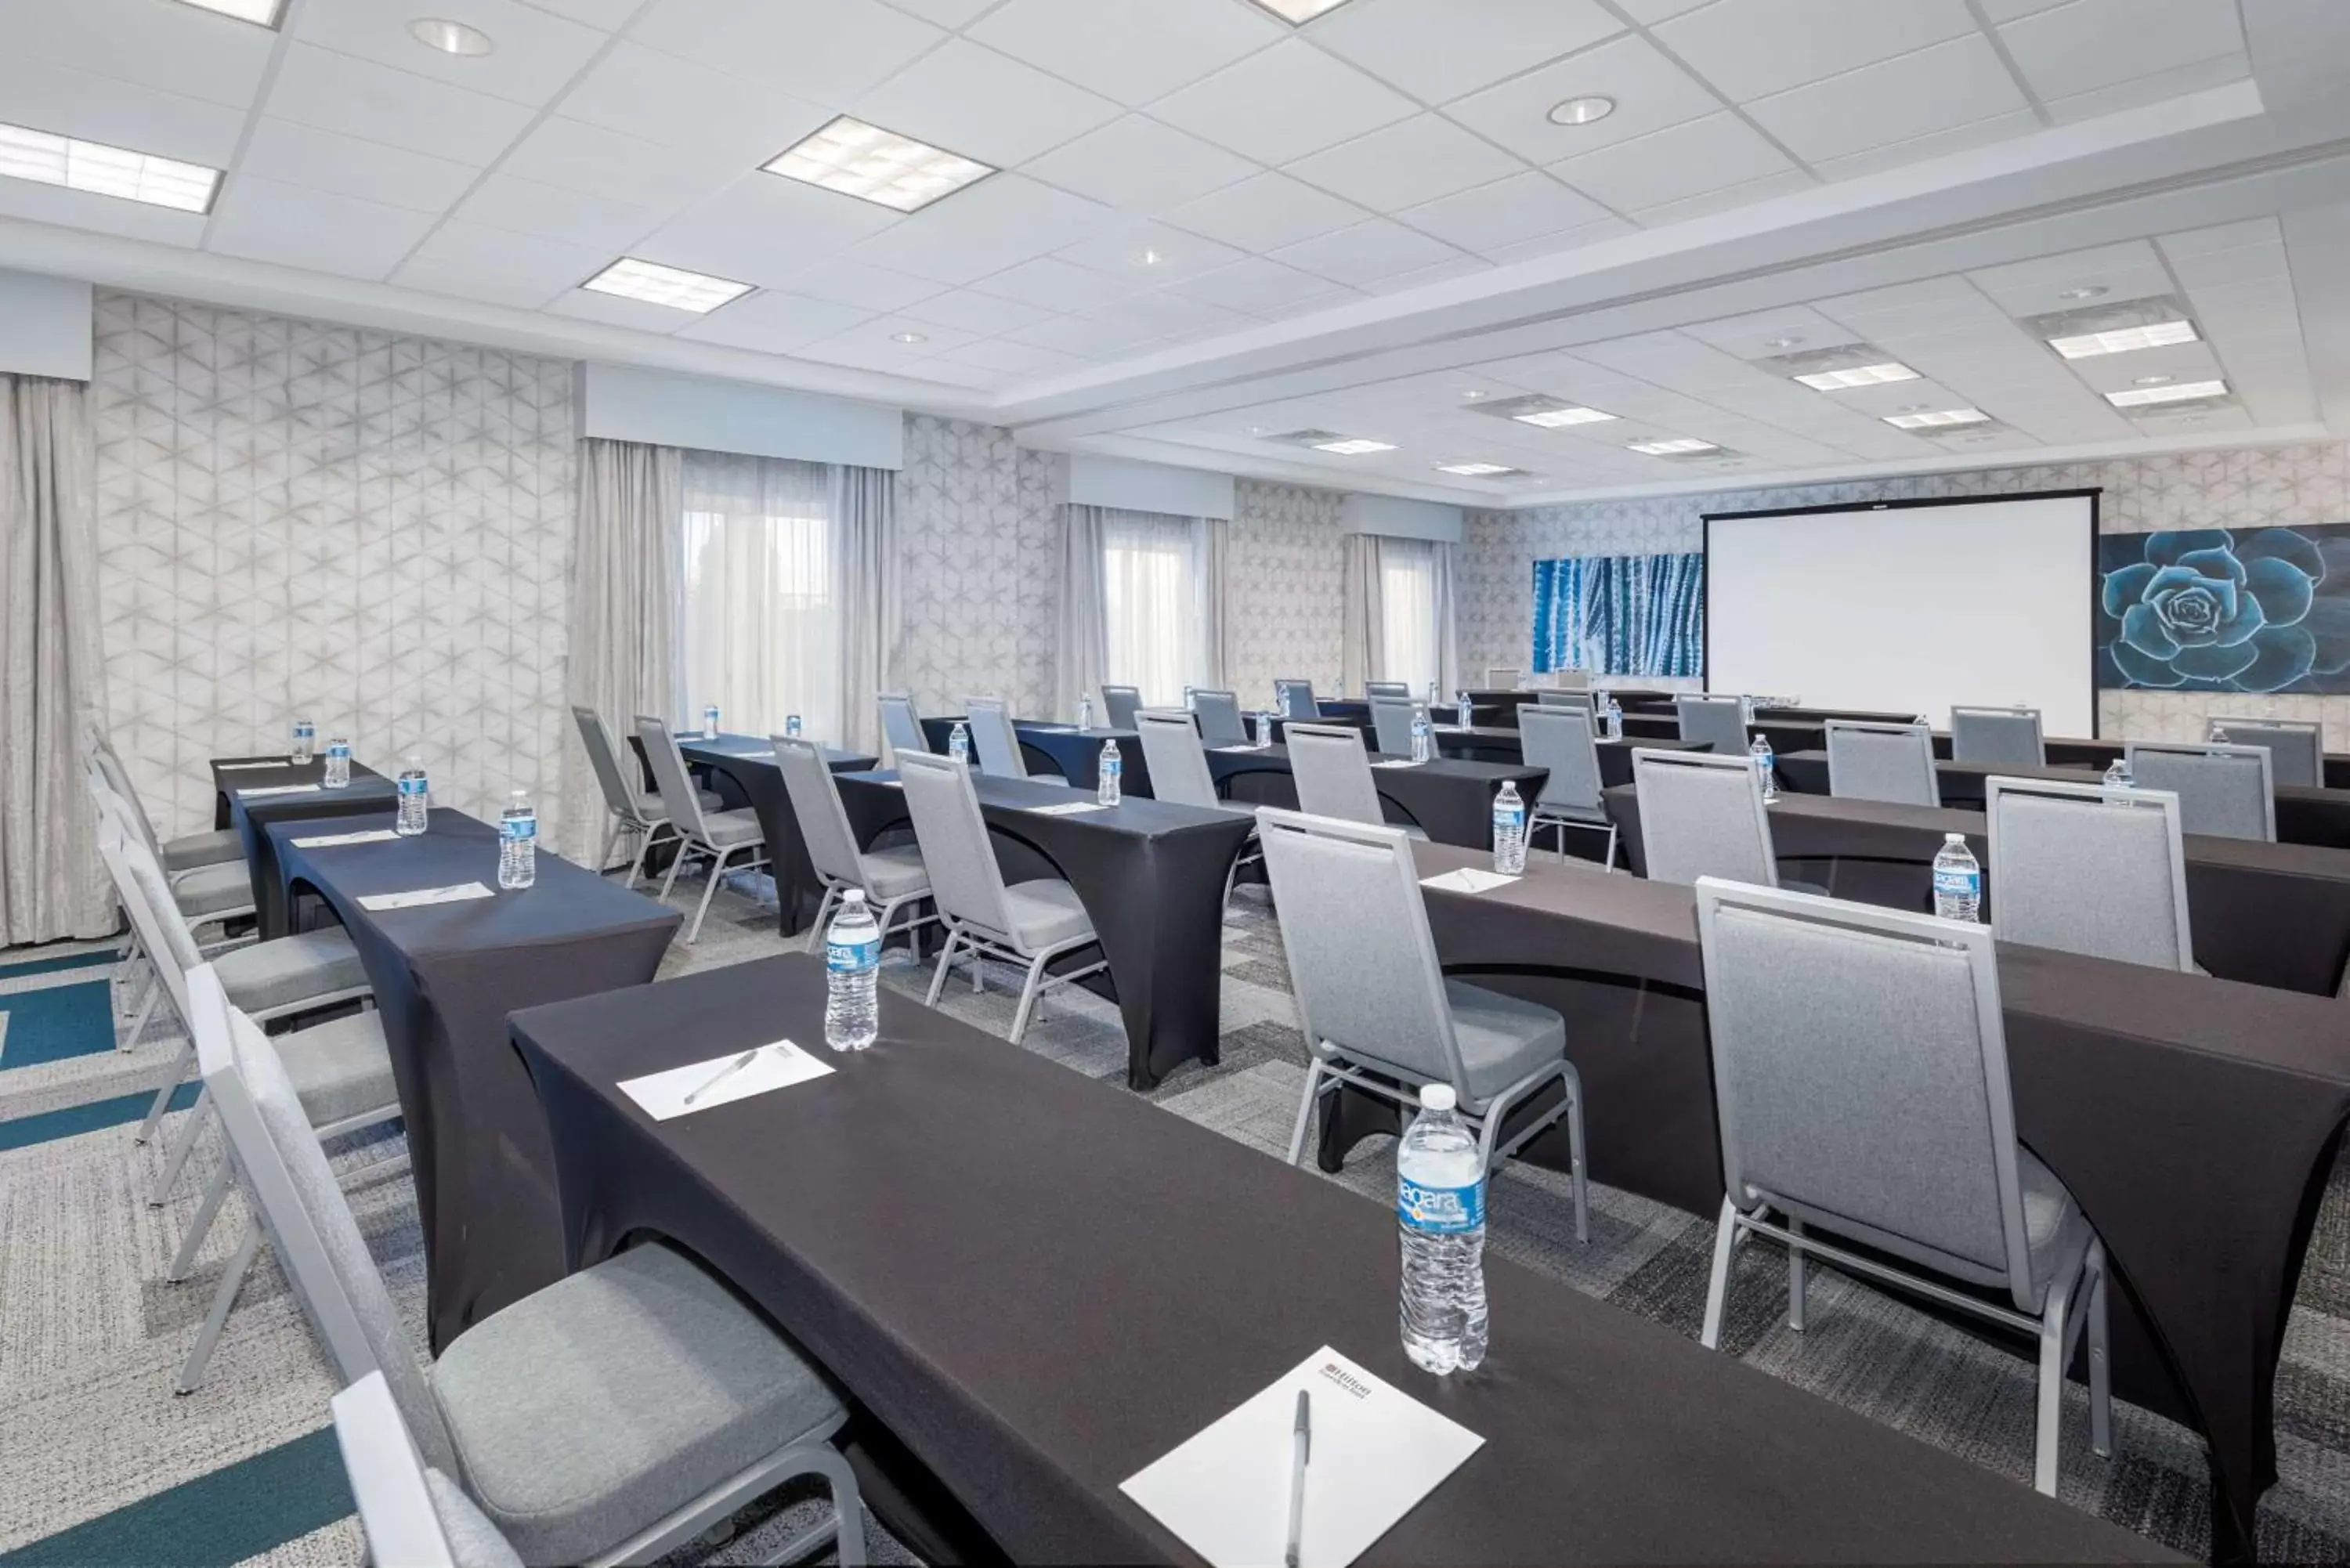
106,1465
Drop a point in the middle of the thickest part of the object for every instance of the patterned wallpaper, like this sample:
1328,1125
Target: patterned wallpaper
368,530
2241,488
1283,618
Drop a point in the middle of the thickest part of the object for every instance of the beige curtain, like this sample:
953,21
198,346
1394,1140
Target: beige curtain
1446,558
627,548
868,587
1363,623
1084,655
1215,564
51,884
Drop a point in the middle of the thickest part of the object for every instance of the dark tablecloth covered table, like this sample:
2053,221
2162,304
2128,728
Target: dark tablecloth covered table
1487,743
445,976
1040,1285
1151,876
2268,914
2195,1119
749,761
1450,800
1784,734
1063,749
368,790
1490,708
2076,751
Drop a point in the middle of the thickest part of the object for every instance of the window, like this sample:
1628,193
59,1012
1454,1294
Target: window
1408,609
760,636
1153,609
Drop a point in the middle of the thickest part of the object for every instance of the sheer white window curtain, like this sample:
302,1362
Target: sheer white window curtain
1156,603
761,632
1415,578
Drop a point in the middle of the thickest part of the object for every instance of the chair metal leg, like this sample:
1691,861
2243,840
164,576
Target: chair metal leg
717,870
146,1009
1717,1289
1795,1278
191,1371
1306,1110
636,862
1609,864
946,958
170,1178
611,842
684,847
1030,991
1575,1152
849,1512
164,1091
198,1227
2054,1343
2101,1376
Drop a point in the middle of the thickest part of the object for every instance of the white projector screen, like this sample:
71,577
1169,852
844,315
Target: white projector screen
1909,608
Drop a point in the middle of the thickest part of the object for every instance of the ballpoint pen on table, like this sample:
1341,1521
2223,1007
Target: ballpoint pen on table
1301,1444
719,1077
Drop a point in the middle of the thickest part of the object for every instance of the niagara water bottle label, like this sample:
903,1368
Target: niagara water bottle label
848,958
412,787
1441,1210
1957,882
518,829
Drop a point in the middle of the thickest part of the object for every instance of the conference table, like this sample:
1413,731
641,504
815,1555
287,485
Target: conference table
1040,1285
1448,798
290,792
1150,874
1063,749
748,763
445,975
1488,743
2195,1119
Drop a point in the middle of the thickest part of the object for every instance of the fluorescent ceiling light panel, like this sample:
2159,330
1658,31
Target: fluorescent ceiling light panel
1298,12
1674,446
2124,340
2177,392
1859,376
1476,470
92,166
877,165
1353,446
1940,417
656,284
264,12
1552,418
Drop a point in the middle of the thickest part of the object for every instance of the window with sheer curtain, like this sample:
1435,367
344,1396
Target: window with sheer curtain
1154,614
761,631
1408,608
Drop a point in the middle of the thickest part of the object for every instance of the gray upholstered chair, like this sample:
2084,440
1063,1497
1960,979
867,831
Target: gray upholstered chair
891,879
642,816
1861,1086
1716,717
1391,720
188,852
1569,681
1374,689
996,743
2002,737
1560,739
1171,749
409,1515
609,1417
1562,698
2087,869
210,886
1378,1013
1031,923
1220,724
1701,814
900,725
717,837
1294,699
2224,791
2297,747
1120,704
1882,762
1333,775
1503,677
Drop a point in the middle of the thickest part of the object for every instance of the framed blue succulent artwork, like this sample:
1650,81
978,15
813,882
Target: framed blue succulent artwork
2221,609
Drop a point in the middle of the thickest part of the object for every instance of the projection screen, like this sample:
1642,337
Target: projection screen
1909,608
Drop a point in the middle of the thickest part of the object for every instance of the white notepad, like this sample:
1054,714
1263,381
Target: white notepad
328,841
1068,808
1468,879
243,767
1265,746
1376,1452
423,896
1397,763
778,1065
267,790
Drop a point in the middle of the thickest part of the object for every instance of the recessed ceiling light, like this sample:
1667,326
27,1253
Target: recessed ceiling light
1476,470
1582,110
1783,343
48,158
2152,380
1937,418
2125,339
2086,291
877,165
1552,418
656,284
1353,446
909,337
1150,258
1673,446
1298,12
1858,376
450,38
1472,394
2181,393
264,12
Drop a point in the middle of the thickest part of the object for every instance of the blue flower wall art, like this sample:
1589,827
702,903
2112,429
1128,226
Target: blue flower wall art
2213,609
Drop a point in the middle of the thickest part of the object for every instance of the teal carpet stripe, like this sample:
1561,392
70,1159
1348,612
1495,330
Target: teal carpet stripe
54,1022
253,1506
19,970
71,1121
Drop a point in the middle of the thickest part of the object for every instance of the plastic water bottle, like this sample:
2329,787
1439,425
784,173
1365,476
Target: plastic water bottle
1190,698
710,722
959,741
1766,766
852,970
1085,713
791,726
1614,720
415,797
1264,727
305,735
518,842
339,764
1432,697
1465,714
2118,775
1509,831
1957,880
1423,736
1441,1213
1112,773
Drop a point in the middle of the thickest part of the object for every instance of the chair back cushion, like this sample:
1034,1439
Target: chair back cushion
605,758
1332,773
900,725
1177,760
1560,739
1220,724
1120,704
109,763
964,878
2296,750
2222,790
2003,737
2085,870
994,738
1882,762
1502,677
1391,719
1373,690
815,806
1297,700
1703,815
1561,698
1718,718
679,796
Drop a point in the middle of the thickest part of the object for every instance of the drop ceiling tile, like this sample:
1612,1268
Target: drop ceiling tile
1314,306
612,310
2139,91
763,230
872,288
1749,48
1997,11
2248,264
1057,285
178,48
327,161
874,343
1404,164
1172,314
1259,287
1746,193
984,315
1936,88
1506,213
375,103
1131,50
1016,358
265,221
527,207
1282,103
950,13
772,323
1650,92
1937,144
498,266
999,222
1368,253
1087,337
1138,165
69,102
825,51
1437,272
1265,213
982,105
2092,44
578,156
99,214
1688,160
2221,238
1437,50
1793,328
1151,255
672,102
535,57
2034,287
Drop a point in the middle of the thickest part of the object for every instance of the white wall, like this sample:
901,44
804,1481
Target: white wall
45,326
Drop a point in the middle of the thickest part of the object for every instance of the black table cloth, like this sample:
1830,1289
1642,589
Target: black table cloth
1489,744
368,790
1784,734
1484,707
1151,876
749,761
1450,800
1040,1285
1063,749
2069,751
2268,914
2195,1119
445,976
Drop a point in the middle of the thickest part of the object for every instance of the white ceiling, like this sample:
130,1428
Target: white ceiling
1350,225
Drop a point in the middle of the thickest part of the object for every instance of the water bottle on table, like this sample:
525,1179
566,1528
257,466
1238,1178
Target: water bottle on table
1440,1212
1614,720
518,842
1423,737
339,764
1264,727
1085,713
1766,766
1112,772
1465,714
2118,775
959,741
1509,831
852,970
710,722
304,734
1957,880
791,726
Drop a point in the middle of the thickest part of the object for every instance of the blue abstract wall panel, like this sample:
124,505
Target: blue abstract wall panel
2215,610
1621,615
